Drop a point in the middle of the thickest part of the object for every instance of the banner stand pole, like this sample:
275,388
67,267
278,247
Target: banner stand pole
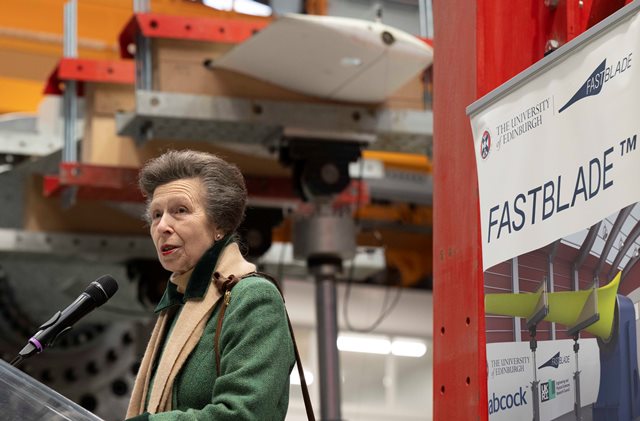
540,312
533,345
576,378
588,316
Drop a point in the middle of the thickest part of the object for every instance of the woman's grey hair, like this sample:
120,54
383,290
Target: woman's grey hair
225,190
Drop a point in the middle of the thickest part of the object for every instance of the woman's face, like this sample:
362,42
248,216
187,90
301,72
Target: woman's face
180,229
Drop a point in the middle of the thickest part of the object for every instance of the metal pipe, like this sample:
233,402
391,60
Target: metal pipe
329,362
533,345
143,51
70,46
622,251
429,17
587,245
141,6
70,99
515,285
70,106
585,248
552,250
576,378
143,63
615,230
422,14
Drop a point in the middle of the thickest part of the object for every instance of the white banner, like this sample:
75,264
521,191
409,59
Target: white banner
559,153
510,370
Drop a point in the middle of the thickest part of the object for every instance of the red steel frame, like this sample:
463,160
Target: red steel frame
87,70
482,43
99,182
155,25
152,25
117,183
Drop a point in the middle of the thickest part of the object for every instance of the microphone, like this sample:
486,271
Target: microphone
96,294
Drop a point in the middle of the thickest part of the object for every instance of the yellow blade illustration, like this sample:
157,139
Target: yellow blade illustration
564,307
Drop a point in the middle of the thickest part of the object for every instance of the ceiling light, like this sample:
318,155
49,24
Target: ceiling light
382,345
408,348
368,344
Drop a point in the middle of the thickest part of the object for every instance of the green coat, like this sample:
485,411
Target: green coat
256,357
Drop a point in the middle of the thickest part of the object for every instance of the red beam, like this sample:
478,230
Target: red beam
95,182
154,25
86,70
108,71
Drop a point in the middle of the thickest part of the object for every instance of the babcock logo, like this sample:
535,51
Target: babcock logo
555,361
485,144
508,401
601,75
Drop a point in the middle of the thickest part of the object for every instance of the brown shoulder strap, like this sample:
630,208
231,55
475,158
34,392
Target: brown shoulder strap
225,285
216,340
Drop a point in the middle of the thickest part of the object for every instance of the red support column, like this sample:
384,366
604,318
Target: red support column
480,45
460,374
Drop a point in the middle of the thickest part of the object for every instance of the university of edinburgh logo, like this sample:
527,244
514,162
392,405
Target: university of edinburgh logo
485,144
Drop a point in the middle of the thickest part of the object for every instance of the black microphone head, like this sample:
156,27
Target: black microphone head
102,289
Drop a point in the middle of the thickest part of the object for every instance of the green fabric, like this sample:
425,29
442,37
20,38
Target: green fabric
196,289
256,357
142,417
256,353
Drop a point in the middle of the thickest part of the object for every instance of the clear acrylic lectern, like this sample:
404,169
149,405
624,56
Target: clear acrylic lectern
24,399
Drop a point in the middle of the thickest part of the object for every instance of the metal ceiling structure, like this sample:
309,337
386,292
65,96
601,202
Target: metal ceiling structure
616,242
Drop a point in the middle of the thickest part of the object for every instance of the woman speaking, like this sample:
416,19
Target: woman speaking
214,354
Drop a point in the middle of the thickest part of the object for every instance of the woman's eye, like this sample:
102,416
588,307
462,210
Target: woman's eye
182,210
156,215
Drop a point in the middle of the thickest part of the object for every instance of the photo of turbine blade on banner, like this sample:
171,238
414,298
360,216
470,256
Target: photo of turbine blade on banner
558,162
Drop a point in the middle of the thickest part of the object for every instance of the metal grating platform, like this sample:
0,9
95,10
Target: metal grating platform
161,115
101,247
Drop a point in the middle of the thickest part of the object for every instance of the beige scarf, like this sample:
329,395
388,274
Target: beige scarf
185,335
